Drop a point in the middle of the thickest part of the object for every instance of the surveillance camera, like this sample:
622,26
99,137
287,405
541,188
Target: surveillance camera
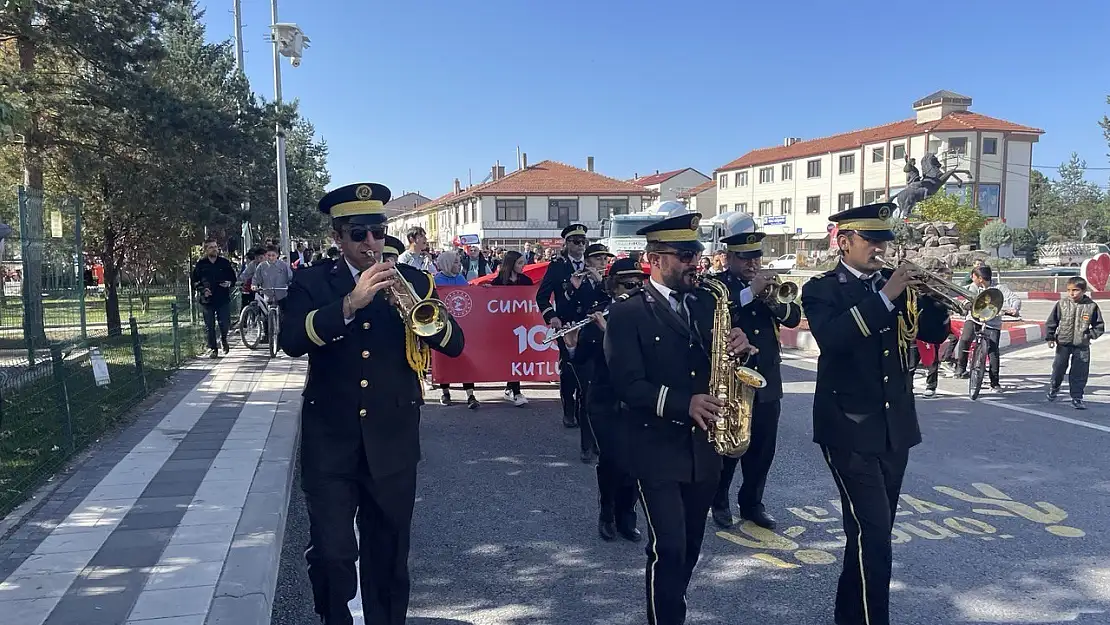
296,61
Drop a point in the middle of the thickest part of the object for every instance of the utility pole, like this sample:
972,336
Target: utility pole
282,190
245,207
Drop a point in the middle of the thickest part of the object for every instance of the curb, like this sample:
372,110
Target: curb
245,590
792,338
1053,296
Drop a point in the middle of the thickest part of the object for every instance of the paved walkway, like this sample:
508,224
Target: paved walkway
176,521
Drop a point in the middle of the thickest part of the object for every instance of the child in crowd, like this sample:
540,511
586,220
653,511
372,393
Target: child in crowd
1075,321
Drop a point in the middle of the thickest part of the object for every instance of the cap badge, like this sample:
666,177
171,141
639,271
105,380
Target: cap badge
752,238
694,221
364,192
884,212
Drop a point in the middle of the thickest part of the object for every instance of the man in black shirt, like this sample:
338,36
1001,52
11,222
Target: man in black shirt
213,276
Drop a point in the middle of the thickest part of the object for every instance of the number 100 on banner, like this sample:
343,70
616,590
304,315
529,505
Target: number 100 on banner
504,334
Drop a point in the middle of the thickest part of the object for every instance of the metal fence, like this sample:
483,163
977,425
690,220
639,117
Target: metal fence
81,390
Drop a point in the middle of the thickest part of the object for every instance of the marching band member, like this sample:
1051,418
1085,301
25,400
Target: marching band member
864,416
657,346
360,439
571,259
760,316
585,291
616,489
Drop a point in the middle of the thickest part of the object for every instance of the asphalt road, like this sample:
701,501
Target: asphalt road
1004,518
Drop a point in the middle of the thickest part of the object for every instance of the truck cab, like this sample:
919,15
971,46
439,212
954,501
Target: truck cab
618,233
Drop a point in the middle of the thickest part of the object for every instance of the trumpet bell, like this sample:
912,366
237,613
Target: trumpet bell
987,305
428,317
786,292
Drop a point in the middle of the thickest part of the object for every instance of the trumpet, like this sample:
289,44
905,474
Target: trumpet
423,317
779,291
984,306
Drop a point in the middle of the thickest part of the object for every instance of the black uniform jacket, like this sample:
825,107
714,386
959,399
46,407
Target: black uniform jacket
760,322
361,395
554,283
656,364
864,398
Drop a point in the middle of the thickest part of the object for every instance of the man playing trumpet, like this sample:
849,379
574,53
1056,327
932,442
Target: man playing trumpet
759,313
864,416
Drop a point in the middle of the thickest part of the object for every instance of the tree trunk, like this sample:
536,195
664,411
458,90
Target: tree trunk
111,283
32,226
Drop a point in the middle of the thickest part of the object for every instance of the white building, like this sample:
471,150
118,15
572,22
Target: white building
792,189
527,207
702,198
669,184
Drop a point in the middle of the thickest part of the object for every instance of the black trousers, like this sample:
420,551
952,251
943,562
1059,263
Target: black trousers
992,335
383,509
616,488
944,354
755,463
675,513
220,313
869,486
1080,357
574,385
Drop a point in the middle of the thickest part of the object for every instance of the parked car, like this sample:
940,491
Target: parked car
786,261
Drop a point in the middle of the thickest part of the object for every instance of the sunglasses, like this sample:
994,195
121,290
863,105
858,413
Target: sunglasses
577,240
358,235
633,284
685,256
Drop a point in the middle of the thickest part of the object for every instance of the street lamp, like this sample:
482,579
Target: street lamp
289,41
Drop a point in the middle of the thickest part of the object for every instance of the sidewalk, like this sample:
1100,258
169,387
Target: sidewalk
176,521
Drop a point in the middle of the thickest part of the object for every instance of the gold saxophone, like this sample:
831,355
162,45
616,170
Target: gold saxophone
729,381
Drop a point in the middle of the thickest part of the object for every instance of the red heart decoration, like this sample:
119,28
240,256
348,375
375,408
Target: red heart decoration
1096,271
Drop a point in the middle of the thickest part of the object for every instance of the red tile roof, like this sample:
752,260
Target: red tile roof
708,184
545,178
956,120
656,178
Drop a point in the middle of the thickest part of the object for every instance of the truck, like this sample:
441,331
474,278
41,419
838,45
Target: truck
618,233
723,226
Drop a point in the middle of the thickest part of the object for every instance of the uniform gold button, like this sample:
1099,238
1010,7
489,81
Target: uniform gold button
362,413
885,378
886,405
757,330
657,339
366,325
693,374
364,384
365,354
886,352
753,313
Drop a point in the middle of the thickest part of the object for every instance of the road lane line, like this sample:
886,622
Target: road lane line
988,400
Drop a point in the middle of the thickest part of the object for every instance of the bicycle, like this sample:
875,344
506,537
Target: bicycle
978,357
258,315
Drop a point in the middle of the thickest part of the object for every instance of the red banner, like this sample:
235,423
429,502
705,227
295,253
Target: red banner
503,329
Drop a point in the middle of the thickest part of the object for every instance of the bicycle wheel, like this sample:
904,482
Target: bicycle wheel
250,326
274,329
978,367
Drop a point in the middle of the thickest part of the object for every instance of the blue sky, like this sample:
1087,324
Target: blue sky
413,93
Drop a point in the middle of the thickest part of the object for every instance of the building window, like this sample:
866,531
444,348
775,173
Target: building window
741,207
766,207
766,174
787,171
878,155
741,178
813,204
608,208
786,204
958,145
844,201
813,168
511,210
847,163
989,199
990,145
722,208
898,151
873,196
722,182
562,210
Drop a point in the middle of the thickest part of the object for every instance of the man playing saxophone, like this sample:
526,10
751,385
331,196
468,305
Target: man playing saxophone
756,310
360,418
657,347
865,322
